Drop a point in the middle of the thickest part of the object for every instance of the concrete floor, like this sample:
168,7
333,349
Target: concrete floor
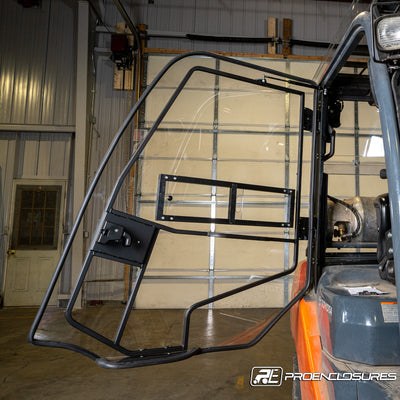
31,372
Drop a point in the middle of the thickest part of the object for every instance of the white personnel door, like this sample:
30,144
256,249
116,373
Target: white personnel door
35,242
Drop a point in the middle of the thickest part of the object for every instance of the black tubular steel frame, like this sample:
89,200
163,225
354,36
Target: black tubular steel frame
162,355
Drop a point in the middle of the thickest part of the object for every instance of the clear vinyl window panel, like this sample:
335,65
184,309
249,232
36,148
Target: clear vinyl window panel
231,131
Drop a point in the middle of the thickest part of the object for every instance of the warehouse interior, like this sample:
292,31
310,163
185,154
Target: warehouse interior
70,74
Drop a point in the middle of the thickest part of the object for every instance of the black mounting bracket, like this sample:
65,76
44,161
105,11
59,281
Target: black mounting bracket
125,238
233,188
303,228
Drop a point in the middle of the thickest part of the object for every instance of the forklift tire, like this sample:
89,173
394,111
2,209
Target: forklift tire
296,390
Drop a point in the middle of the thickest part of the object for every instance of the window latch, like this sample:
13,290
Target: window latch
113,233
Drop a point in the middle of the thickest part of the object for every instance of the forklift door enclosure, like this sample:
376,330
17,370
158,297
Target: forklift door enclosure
209,165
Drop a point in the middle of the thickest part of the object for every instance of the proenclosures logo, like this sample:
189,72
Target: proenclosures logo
273,376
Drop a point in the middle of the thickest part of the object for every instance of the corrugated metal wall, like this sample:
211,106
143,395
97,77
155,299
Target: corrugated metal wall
37,93
37,63
312,20
43,155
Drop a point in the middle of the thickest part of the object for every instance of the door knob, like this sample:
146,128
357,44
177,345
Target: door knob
10,252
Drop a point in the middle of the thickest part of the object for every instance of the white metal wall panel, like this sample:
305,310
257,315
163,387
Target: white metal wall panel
59,82
37,63
43,155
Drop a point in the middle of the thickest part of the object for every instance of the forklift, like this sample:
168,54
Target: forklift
343,306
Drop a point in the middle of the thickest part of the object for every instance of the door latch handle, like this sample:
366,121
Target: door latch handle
115,234
10,252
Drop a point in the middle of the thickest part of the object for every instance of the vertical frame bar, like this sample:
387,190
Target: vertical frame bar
80,129
356,146
214,175
288,206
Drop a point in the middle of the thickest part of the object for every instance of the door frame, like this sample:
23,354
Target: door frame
62,216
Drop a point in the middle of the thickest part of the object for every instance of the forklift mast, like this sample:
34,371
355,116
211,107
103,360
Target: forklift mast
347,327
